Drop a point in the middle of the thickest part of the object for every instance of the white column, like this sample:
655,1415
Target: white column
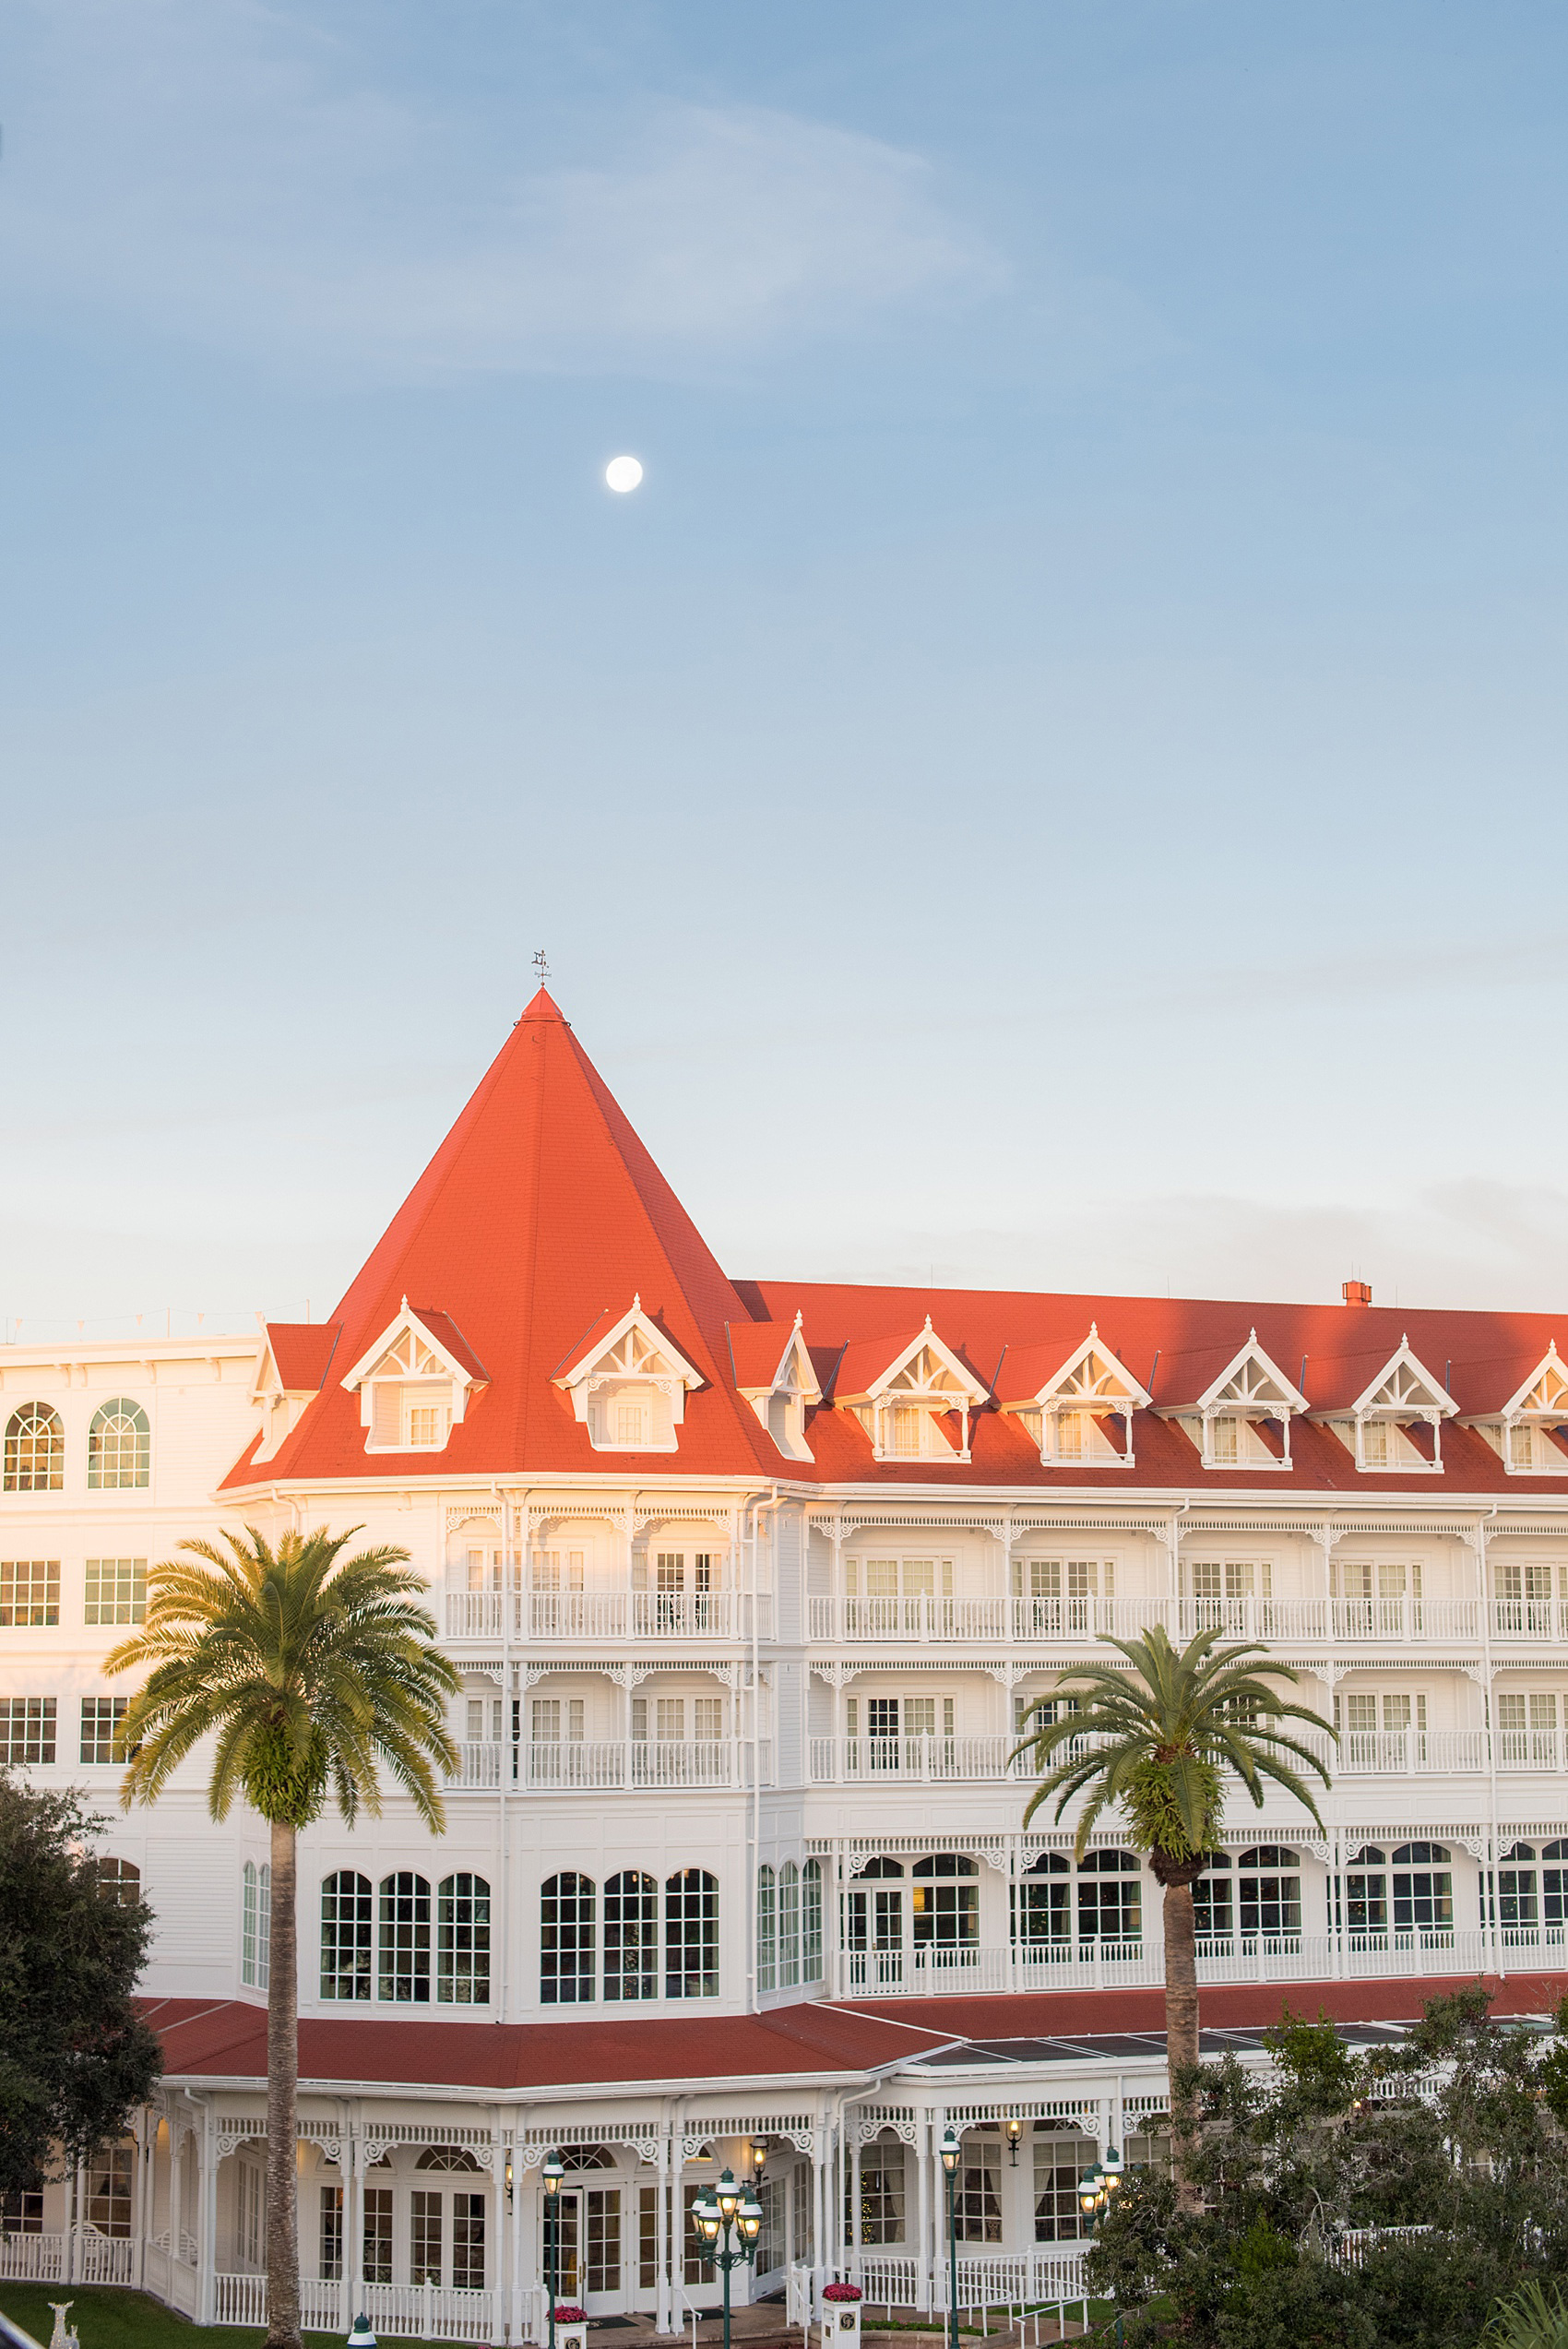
923,2158
176,2186
351,2172
207,2231
663,2320
855,2151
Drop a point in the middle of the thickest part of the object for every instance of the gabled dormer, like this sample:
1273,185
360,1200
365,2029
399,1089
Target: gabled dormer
291,1371
1078,1409
628,1383
1395,1426
1230,1419
1525,1432
780,1387
913,1396
416,1383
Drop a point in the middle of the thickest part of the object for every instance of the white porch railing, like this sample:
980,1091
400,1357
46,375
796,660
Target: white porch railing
103,2259
1396,1753
32,2259
1036,1620
410,2311
571,1764
920,1758
1108,1964
609,1614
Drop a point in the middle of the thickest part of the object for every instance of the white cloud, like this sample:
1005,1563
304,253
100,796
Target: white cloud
221,171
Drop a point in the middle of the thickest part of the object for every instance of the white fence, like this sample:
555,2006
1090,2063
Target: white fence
610,1615
408,2312
573,1763
991,2280
52,2259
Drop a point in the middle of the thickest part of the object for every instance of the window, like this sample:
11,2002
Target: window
604,2246
330,2259
26,1729
880,2218
116,1591
1366,1892
255,1925
101,1717
1211,1899
1517,1903
1042,1902
109,2178
1059,2164
631,1935
691,1935
647,2237
21,2213
696,2265
1526,1730
566,1940
378,2236
1555,1887
346,1915
405,1938
35,1450
707,1720
789,1925
811,1921
978,2203
447,2157
1270,1887
1423,1890
425,2236
250,2201
1110,1898
462,1941
29,1593
119,1448
766,1931
944,1900
468,2242
118,1882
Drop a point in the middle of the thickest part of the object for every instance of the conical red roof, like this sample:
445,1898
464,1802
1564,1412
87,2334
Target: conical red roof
541,1213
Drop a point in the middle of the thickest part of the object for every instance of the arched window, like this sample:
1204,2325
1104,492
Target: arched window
1270,1887
1042,1903
1110,1898
117,1881
35,1450
766,1931
691,1935
447,2157
631,1935
566,1940
789,1925
404,1955
462,1941
586,2157
1212,1911
347,1913
945,1898
1366,1892
255,1926
1517,1906
119,1446
811,1921
1554,1886
1423,1890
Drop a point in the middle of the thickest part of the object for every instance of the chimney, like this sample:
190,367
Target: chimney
1355,1292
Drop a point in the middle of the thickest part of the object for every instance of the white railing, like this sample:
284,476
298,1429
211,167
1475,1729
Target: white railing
833,1759
1527,1619
1069,1965
1033,1620
571,1764
415,2311
103,2259
32,2259
1527,1749
1395,1753
610,1615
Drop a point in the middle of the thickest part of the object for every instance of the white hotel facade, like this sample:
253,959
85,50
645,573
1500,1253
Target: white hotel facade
749,1583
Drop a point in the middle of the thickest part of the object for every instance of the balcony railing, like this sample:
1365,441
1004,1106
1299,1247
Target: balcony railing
1070,1964
1028,1621
572,1764
1396,1753
914,1758
591,1615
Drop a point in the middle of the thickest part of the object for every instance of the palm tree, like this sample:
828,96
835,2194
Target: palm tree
1158,1740
305,1671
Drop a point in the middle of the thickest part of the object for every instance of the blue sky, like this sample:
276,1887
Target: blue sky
1056,779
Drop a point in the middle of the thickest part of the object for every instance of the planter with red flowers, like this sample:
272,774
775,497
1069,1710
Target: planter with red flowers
841,2308
571,2325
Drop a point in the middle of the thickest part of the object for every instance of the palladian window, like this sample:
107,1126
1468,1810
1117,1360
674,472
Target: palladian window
119,1448
35,1450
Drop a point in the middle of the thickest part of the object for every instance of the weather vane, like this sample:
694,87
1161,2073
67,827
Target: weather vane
541,966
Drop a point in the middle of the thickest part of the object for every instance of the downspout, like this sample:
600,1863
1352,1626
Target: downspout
757,1509
1493,1932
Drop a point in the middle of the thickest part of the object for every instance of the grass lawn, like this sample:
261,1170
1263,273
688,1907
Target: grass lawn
110,2318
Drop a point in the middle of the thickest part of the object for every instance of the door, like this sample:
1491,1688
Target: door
877,1935
591,2266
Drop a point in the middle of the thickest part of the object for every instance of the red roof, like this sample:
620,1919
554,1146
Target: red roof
303,1351
541,1215
226,2039
1027,2014
443,1332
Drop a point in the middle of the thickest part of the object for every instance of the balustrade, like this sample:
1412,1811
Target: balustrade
1034,1621
572,1764
1072,1964
609,1614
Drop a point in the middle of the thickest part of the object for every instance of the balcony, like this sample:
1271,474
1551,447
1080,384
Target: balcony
595,1616
928,1759
576,1765
1397,1753
1026,1622
938,1970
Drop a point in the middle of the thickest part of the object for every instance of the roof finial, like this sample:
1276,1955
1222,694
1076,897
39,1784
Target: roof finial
636,1300
1094,1329
541,967
799,1317
405,1301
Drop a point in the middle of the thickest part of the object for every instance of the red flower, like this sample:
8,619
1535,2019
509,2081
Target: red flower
841,2292
571,2313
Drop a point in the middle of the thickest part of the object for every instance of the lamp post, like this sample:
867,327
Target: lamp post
729,2224
1098,2186
951,2149
1015,2130
554,2172
360,2335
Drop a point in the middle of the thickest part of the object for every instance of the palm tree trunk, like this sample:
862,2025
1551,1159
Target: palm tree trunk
282,2099
1182,2031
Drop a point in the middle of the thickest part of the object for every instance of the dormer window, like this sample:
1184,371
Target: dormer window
627,1382
1241,1420
1394,1427
773,1371
416,1383
1534,1423
1080,1411
914,1399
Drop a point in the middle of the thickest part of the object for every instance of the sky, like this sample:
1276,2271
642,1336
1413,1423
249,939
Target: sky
1054,780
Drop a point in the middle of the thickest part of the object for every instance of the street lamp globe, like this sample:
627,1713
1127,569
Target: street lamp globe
950,2151
554,2172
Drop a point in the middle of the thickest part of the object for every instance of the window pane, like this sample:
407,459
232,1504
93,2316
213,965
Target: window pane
425,2236
405,1938
566,1940
29,1593
346,1915
119,1448
116,1590
631,1937
463,1941
26,1729
377,2239
101,1717
691,1935
35,1451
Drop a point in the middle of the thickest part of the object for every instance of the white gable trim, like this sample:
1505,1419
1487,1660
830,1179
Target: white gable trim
408,1320
1254,1383
964,1382
1093,1382
793,1376
1550,1371
633,1350
1404,1388
1521,1433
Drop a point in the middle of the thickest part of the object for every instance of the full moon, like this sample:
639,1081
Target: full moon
624,473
